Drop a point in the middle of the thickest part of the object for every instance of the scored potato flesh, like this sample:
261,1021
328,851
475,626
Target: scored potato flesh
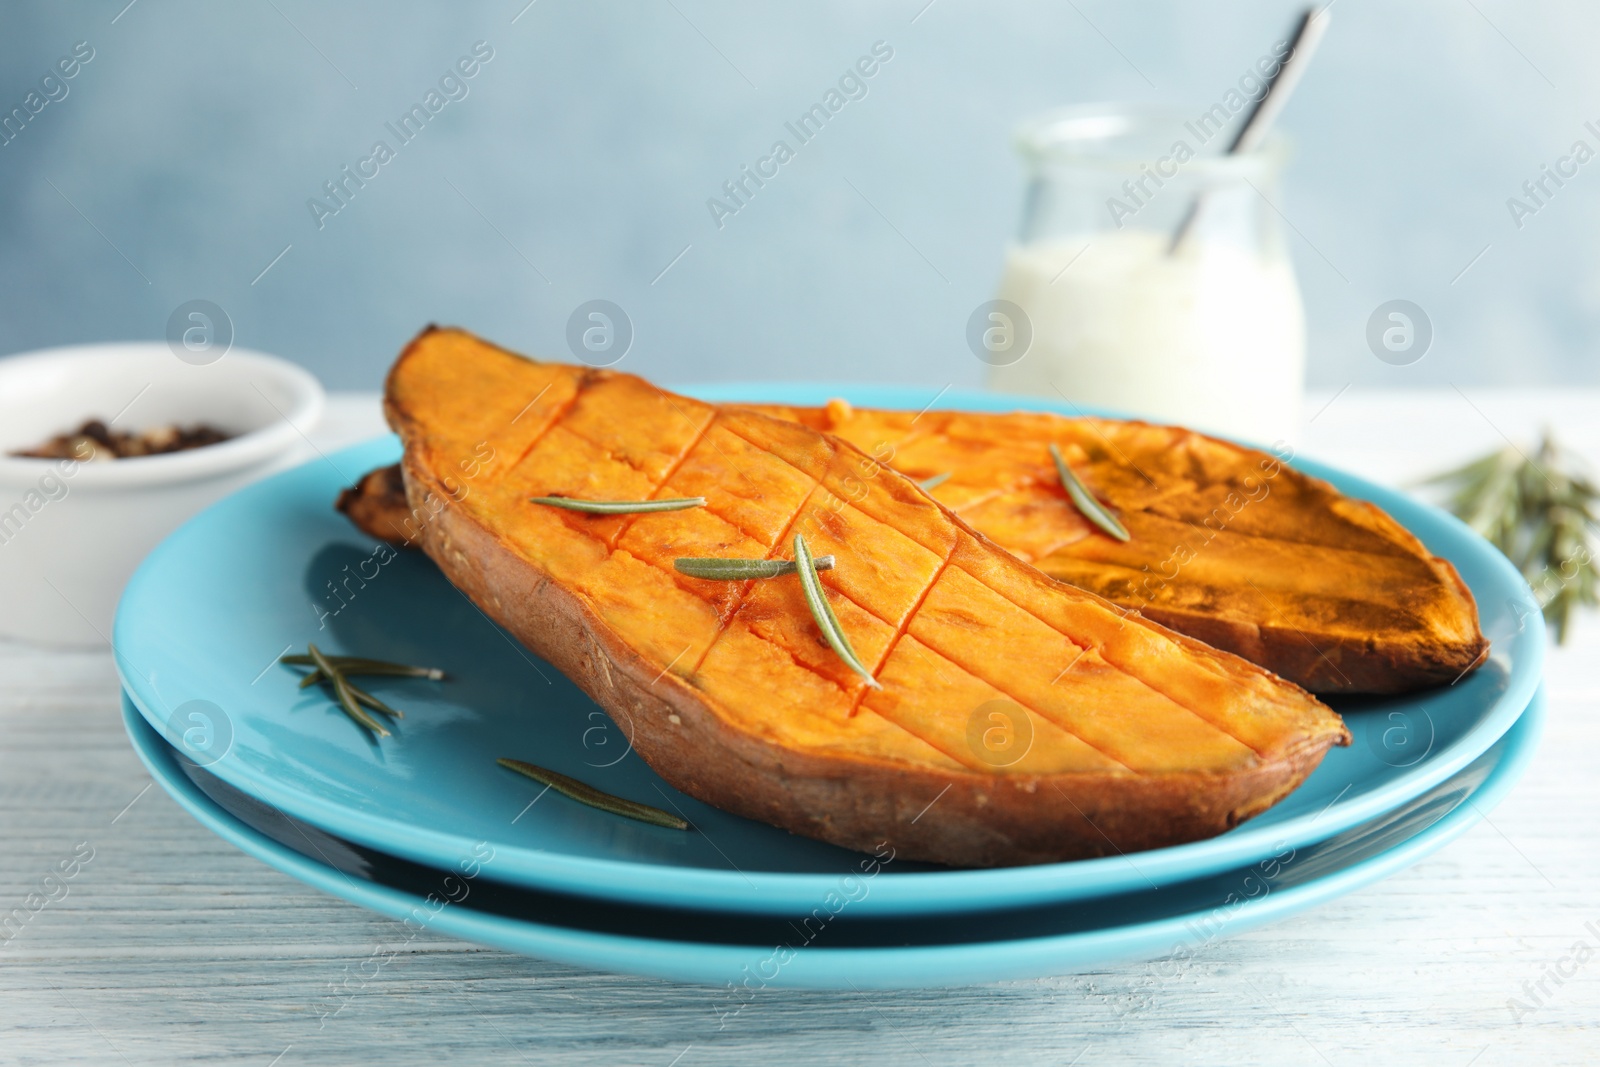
947,622
1228,544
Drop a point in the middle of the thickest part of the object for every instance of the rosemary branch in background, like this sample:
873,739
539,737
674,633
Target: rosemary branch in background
1540,512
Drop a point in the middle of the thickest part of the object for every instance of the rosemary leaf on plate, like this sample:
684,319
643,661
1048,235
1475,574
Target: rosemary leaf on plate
316,676
928,485
1084,500
362,665
822,611
364,697
737,570
333,671
341,690
595,798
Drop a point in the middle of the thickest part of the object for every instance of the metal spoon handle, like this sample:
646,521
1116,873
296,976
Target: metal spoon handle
1302,46
1308,31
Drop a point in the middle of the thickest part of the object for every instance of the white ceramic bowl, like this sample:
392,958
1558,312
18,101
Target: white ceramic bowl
72,532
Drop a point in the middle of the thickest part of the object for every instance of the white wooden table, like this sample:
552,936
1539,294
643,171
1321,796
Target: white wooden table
170,946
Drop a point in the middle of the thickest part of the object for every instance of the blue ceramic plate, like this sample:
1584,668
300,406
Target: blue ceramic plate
273,567
831,945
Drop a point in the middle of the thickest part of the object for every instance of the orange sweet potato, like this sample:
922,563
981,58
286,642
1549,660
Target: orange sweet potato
377,505
1019,720
1228,544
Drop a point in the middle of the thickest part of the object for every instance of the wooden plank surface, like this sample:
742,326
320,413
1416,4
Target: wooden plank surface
169,946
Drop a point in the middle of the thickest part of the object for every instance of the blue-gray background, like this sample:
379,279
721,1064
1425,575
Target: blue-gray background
180,163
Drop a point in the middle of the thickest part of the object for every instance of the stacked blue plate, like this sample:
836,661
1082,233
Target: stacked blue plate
423,825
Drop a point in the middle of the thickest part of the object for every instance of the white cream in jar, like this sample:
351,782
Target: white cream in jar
1207,331
1211,336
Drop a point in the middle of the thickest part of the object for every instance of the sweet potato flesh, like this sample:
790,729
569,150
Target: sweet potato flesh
947,622
1228,544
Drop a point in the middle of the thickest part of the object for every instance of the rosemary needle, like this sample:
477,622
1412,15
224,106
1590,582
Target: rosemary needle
822,611
363,665
735,570
341,689
928,485
364,697
361,695
316,673
595,798
1091,508
619,507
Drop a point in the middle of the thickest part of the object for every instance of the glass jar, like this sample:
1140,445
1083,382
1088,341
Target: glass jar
1152,274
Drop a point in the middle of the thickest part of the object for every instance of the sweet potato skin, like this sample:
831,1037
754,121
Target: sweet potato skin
376,505
944,814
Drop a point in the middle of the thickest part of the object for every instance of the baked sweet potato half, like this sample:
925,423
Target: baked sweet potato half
377,505
1018,719
1228,544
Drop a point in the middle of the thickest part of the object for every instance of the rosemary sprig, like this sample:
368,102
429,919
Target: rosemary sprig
341,690
1541,512
364,697
928,485
333,671
1084,500
316,675
738,570
619,507
588,794
822,611
360,665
